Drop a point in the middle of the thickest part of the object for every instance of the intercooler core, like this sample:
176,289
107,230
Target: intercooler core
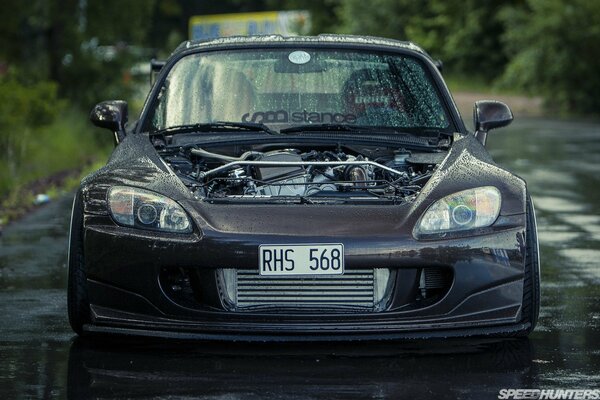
355,290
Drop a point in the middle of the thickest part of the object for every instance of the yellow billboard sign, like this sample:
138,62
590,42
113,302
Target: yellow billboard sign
206,27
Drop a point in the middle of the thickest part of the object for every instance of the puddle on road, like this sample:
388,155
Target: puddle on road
33,252
557,204
325,371
583,257
557,237
585,261
586,222
551,177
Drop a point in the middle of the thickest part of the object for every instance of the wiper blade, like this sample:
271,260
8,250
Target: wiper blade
360,129
414,132
217,126
327,128
426,137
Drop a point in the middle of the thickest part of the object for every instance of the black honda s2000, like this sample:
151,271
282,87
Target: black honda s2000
302,188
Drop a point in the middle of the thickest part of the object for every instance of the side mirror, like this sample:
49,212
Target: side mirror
488,115
111,115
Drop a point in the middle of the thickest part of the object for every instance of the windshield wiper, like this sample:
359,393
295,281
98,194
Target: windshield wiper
327,128
217,126
360,129
424,137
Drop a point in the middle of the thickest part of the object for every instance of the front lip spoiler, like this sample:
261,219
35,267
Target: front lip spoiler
490,331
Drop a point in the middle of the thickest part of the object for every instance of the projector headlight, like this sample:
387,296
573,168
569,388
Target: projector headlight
147,210
469,209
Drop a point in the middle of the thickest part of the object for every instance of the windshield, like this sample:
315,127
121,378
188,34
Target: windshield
284,88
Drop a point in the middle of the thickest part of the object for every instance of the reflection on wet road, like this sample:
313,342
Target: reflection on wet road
39,357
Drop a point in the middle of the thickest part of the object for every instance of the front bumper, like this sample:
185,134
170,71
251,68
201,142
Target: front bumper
129,326
127,297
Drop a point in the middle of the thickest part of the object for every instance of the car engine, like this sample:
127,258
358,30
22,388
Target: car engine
311,174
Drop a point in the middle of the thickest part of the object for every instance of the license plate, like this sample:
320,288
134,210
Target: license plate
301,259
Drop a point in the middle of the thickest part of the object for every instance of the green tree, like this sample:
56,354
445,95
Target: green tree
553,47
323,16
387,18
465,34
55,54
66,41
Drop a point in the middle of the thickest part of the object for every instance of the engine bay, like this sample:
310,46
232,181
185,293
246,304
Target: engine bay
310,174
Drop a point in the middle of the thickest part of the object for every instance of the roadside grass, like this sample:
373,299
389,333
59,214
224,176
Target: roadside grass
24,197
51,160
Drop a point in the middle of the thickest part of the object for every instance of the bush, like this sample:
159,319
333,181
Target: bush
23,109
465,34
40,135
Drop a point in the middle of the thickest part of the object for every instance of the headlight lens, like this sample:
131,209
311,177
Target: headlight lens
147,210
469,209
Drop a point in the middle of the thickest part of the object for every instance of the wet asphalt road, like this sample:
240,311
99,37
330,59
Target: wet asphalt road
41,358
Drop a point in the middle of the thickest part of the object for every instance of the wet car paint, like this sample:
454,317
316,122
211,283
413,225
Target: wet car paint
40,357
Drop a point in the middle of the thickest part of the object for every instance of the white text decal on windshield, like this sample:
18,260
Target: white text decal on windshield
282,116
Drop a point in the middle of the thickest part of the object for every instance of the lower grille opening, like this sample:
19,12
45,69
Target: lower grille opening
355,290
434,283
176,284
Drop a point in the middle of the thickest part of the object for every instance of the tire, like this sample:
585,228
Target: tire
78,304
531,282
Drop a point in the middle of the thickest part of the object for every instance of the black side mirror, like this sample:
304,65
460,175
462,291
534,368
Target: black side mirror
111,115
488,115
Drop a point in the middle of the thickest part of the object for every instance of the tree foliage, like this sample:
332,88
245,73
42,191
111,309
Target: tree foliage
67,42
553,48
39,134
465,34
387,18
55,54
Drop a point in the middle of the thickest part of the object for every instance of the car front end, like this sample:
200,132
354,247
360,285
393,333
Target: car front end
292,223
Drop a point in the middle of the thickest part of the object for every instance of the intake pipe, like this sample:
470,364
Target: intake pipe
215,156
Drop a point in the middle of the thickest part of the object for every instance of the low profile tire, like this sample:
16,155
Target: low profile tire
77,296
531,282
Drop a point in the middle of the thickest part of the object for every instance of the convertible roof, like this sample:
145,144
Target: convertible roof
326,38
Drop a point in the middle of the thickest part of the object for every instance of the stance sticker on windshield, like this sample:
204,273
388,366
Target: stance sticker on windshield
282,116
